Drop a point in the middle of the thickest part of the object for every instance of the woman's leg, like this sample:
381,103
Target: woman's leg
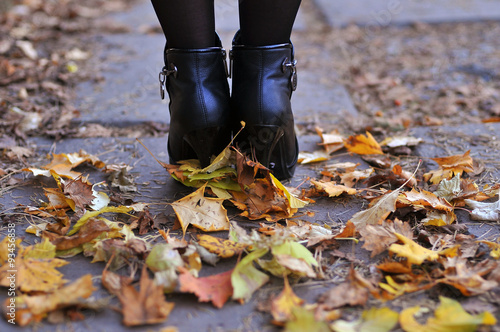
195,78
187,23
267,22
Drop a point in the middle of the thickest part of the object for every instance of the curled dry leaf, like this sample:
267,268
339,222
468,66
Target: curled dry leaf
333,189
378,238
449,167
362,144
34,308
223,248
378,212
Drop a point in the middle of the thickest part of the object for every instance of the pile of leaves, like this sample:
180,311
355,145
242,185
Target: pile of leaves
41,61
410,226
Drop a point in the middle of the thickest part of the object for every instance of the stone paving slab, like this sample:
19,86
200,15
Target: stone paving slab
380,13
129,91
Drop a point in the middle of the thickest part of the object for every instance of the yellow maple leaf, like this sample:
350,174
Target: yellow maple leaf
205,213
362,144
415,253
33,273
448,317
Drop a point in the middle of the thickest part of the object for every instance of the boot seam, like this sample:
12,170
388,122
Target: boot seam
199,91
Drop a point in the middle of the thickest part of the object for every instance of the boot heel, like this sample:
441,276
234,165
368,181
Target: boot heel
262,141
204,143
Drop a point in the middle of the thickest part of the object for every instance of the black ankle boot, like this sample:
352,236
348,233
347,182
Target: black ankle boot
263,80
196,81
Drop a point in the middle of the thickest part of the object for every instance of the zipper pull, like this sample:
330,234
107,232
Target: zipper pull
224,59
230,64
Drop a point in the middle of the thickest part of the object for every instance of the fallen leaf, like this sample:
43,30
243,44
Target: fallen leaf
449,167
378,238
333,189
31,309
202,212
312,157
362,144
245,278
484,211
412,251
146,306
449,316
87,233
223,248
332,141
215,288
305,320
379,211
495,248
34,274
354,291
282,305
374,320
427,199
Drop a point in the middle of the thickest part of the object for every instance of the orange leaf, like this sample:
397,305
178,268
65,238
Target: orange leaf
216,288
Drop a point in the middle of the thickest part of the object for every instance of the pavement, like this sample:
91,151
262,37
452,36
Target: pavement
128,95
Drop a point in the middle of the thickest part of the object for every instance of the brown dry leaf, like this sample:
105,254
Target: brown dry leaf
378,212
223,248
378,238
78,193
33,308
87,233
146,306
427,199
216,288
282,305
332,141
468,279
362,144
354,291
333,189
450,166
261,200
57,200
202,212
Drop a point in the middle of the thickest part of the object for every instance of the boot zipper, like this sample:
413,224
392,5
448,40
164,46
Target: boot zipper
224,56
231,56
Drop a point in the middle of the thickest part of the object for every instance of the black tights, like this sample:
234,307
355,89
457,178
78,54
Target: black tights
191,23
